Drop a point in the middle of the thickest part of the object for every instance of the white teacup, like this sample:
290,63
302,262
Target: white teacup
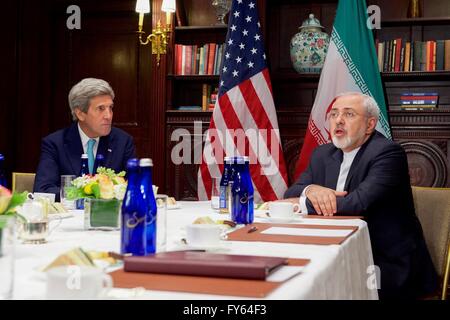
283,210
77,283
203,235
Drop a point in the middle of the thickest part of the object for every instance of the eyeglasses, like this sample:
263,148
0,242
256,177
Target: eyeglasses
348,114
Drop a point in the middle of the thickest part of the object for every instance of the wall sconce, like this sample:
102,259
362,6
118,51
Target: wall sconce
159,36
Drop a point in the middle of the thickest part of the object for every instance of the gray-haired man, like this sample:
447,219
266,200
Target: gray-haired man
91,105
363,173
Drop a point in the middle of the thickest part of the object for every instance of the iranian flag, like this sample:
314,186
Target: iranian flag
351,65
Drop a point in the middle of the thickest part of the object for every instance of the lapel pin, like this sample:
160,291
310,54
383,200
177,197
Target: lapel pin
109,150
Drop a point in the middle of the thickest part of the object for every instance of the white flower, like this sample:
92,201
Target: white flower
119,191
81,182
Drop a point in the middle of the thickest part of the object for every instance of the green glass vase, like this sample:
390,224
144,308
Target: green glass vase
102,214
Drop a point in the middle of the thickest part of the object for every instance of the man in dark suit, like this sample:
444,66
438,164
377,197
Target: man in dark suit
363,173
91,104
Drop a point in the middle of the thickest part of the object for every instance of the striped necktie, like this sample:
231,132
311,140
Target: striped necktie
90,152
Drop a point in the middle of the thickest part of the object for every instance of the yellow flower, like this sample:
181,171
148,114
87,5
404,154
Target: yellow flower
88,188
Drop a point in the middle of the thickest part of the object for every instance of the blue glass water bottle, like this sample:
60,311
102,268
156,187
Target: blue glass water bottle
242,192
230,184
84,165
79,203
99,162
134,211
224,190
2,172
146,186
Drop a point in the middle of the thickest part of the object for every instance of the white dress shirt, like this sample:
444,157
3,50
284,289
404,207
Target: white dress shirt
343,173
85,139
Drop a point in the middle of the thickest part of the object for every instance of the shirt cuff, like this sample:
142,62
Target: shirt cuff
302,201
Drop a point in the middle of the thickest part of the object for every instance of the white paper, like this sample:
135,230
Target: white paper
308,232
284,273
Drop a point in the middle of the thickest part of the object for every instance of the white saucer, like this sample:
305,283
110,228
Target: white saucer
283,219
260,213
64,215
219,247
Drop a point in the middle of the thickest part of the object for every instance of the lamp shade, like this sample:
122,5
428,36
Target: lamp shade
143,6
168,6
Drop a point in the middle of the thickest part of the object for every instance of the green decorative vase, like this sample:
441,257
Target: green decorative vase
309,47
102,214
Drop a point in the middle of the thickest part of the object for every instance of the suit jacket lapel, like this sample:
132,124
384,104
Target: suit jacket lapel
73,147
333,166
357,161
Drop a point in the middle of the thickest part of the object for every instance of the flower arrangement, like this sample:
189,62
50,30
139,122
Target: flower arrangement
106,184
9,202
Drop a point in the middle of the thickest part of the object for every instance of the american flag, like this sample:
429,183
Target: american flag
244,120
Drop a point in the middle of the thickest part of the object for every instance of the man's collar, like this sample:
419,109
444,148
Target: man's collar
84,137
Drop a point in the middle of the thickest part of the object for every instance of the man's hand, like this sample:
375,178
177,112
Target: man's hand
324,199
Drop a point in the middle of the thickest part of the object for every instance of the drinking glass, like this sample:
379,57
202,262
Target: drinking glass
161,222
7,243
66,181
215,194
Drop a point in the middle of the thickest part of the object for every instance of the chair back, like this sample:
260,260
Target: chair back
432,207
22,181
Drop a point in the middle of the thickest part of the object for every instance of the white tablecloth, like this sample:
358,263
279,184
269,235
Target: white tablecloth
335,271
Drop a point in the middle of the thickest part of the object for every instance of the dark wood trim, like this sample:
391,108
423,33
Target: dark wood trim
415,21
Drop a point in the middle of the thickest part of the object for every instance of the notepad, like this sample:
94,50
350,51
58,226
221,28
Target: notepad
308,232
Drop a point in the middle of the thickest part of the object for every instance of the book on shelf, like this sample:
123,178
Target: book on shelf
407,58
380,53
446,54
397,56
418,107
416,102
213,99
440,54
205,97
417,55
198,60
400,55
423,56
412,95
211,54
402,58
209,96
419,100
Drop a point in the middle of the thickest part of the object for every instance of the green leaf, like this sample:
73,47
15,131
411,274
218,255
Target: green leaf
74,193
17,199
96,190
110,172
